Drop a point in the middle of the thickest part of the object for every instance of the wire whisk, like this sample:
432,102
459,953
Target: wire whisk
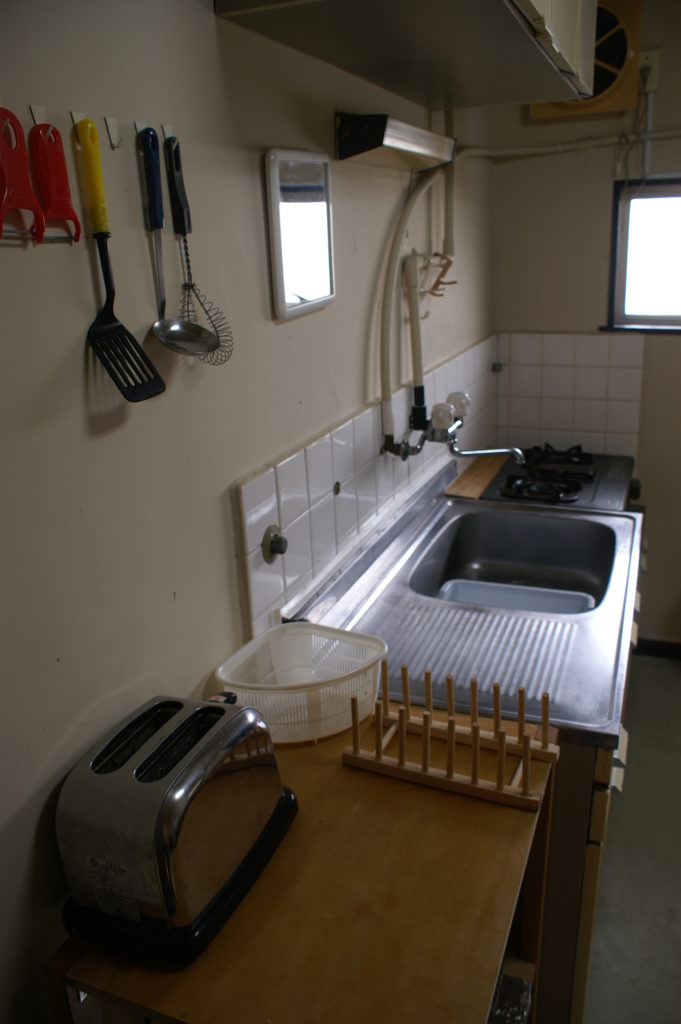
195,307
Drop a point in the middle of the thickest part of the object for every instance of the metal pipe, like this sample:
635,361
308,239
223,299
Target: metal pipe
515,452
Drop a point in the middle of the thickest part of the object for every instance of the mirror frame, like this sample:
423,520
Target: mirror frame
273,161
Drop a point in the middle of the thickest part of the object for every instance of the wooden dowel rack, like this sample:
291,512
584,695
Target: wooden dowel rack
407,720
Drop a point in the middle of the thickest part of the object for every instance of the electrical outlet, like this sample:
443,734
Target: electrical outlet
649,67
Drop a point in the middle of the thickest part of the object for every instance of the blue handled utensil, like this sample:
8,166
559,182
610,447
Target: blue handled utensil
181,335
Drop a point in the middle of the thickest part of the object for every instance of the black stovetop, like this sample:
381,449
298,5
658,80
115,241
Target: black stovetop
571,478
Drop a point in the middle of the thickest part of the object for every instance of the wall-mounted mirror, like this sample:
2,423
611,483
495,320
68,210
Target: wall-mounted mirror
301,239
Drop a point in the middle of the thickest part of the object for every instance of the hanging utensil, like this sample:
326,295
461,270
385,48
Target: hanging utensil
124,360
181,335
50,176
194,306
15,186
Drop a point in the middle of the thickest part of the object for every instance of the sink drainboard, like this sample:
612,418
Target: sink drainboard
513,650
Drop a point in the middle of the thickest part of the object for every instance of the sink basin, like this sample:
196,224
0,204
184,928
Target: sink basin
538,598
511,560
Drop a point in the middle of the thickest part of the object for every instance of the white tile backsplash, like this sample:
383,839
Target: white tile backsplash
558,350
258,507
318,463
556,414
591,382
624,384
557,381
525,380
345,513
589,415
588,387
323,533
291,488
265,582
297,558
526,348
558,388
385,486
622,417
592,350
367,437
365,489
343,451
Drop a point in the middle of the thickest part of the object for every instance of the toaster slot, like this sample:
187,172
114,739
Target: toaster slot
133,736
170,752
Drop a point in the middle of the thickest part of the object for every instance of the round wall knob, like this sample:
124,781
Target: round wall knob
273,543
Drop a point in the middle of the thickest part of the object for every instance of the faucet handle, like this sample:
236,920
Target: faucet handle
460,401
442,416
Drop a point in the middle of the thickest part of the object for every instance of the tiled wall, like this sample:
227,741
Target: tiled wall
335,489
569,389
562,389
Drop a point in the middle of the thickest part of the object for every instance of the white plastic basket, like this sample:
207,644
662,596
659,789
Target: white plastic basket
301,676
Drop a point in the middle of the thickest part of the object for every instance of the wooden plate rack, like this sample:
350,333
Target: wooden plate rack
500,739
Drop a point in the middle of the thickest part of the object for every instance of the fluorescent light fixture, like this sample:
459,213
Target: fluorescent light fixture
378,138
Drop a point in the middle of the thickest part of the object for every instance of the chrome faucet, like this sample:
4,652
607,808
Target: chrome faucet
446,418
515,452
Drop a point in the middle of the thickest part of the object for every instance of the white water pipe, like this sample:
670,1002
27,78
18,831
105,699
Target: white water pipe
427,179
448,240
413,283
501,153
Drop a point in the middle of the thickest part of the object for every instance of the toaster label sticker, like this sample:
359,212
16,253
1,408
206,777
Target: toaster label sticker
113,891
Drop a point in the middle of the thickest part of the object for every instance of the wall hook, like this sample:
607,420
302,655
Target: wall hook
37,113
112,129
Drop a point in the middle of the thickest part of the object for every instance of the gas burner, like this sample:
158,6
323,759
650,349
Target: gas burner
558,491
549,455
561,474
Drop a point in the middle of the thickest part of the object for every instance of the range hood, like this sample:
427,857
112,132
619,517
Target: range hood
440,54
378,138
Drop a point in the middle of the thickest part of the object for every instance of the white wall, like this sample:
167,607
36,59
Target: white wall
118,553
552,258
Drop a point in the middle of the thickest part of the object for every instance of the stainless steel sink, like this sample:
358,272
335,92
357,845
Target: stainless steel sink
508,559
407,587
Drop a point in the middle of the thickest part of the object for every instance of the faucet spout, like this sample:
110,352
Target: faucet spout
516,453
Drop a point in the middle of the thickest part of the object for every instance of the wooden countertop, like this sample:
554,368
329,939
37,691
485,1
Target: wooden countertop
476,477
385,901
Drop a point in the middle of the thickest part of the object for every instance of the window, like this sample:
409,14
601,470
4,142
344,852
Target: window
645,285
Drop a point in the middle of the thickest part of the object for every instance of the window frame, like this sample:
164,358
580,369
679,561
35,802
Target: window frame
624,192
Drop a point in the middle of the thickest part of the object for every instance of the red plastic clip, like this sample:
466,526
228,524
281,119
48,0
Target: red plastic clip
15,187
50,176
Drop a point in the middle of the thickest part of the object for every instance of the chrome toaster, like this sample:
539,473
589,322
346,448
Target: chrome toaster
165,824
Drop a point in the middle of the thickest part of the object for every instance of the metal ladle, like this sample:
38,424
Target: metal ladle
183,336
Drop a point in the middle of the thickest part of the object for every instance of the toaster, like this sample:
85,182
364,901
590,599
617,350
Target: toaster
165,824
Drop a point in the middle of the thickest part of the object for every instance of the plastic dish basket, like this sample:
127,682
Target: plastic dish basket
301,676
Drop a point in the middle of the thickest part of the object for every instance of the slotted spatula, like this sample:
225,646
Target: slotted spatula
124,360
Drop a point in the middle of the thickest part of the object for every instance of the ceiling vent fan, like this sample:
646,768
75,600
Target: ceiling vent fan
615,89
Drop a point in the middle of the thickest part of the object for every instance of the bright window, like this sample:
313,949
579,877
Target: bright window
645,289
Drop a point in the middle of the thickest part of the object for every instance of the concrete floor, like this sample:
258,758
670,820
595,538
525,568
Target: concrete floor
635,973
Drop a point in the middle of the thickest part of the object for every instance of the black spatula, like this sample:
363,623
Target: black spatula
124,360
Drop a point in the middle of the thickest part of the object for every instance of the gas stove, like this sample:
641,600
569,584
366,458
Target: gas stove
571,478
